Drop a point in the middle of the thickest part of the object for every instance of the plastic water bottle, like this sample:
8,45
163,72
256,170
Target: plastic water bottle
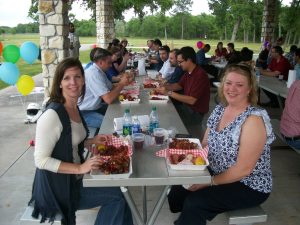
136,126
127,123
257,72
154,122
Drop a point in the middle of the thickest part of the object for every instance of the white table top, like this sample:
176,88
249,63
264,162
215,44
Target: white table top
219,65
148,169
273,85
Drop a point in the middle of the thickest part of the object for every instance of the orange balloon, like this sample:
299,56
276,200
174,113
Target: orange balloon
1,48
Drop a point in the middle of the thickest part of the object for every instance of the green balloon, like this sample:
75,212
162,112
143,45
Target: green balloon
11,53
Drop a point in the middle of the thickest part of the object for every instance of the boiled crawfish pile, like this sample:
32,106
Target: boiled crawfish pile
182,144
115,160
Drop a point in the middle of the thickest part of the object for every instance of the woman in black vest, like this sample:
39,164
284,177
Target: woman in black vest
61,136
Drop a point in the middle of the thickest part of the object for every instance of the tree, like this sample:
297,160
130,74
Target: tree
182,7
289,22
219,9
119,7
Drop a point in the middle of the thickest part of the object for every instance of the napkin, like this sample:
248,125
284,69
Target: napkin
292,78
152,74
118,122
142,67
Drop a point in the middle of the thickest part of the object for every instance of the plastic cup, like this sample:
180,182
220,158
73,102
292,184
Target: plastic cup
159,135
138,140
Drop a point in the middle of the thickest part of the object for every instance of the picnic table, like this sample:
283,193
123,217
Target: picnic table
148,169
275,86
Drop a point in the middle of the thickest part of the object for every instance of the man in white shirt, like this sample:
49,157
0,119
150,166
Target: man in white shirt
74,42
166,71
99,90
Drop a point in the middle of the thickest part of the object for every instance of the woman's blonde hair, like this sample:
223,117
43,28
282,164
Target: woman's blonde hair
246,71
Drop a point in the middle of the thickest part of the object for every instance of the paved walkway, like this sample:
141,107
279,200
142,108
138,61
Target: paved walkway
17,170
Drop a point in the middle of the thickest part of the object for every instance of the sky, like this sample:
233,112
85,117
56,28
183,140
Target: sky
11,16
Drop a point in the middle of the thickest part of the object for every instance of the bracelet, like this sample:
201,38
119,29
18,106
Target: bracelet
212,181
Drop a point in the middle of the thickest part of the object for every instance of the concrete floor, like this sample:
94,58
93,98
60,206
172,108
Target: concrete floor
17,170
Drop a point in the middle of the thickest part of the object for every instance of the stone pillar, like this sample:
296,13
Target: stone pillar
104,23
54,41
268,21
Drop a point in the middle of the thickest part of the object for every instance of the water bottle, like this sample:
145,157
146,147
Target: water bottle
257,72
127,123
154,122
136,126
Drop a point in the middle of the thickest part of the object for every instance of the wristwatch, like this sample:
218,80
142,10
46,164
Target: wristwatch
170,93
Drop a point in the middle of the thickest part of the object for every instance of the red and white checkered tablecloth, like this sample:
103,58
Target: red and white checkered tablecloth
117,142
196,152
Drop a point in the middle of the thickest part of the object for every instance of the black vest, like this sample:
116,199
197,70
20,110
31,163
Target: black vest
54,193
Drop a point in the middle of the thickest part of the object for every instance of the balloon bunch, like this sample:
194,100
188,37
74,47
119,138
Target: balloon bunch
9,72
200,44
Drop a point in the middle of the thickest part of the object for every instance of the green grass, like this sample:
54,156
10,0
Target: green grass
36,68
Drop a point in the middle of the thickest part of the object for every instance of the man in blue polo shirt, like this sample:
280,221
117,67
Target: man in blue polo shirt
99,90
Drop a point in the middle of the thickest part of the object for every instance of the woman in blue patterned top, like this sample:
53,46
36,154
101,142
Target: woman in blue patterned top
239,135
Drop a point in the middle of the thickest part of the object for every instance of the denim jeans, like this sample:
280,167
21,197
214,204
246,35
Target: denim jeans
197,207
114,209
92,118
294,144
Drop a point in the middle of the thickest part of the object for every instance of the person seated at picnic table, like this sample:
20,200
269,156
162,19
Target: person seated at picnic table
220,51
246,56
166,70
123,45
150,50
297,66
290,56
290,118
112,73
92,53
61,135
196,91
203,62
279,66
156,62
99,90
175,76
279,42
261,61
121,63
238,138
178,72
232,55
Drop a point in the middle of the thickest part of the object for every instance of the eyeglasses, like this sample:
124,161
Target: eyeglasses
179,62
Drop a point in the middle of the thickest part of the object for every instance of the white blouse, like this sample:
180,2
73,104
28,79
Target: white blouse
48,132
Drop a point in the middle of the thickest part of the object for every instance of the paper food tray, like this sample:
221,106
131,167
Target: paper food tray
187,167
153,84
163,99
98,174
125,101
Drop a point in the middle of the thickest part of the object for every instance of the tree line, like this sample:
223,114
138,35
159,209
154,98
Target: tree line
230,20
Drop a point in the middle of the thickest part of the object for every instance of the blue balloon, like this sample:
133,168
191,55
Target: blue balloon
29,52
9,73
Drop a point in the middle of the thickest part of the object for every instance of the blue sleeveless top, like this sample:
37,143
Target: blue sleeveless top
224,147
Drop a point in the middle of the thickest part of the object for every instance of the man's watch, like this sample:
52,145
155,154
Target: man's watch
170,93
